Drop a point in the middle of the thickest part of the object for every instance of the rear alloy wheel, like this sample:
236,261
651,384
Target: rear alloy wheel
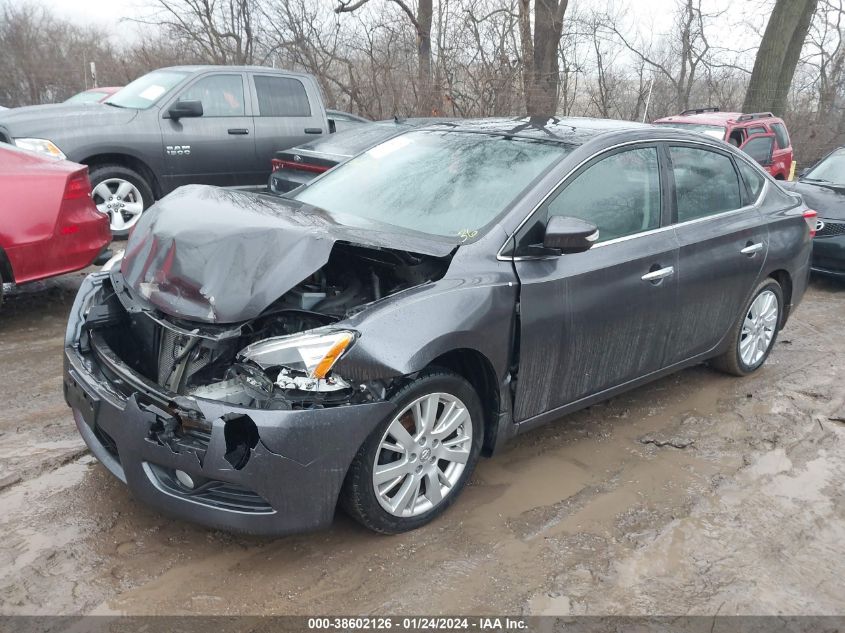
418,460
121,194
755,332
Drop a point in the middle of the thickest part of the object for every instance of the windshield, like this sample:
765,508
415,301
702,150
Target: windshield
450,184
831,169
146,90
716,131
89,96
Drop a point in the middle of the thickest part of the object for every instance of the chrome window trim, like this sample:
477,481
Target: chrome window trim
755,204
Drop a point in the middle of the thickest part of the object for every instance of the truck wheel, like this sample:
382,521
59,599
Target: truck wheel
121,193
754,334
416,462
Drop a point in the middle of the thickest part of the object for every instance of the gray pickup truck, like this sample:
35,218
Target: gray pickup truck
218,125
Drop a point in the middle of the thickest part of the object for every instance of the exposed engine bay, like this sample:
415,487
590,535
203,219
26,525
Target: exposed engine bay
261,362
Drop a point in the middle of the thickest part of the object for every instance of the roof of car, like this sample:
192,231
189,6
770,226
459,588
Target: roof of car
574,130
206,67
713,118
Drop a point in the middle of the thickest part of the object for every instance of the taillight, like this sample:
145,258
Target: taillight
278,164
78,186
810,218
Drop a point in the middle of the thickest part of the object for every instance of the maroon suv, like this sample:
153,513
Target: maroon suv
761,135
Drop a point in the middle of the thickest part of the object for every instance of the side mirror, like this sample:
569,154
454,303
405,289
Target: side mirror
570,235
184,109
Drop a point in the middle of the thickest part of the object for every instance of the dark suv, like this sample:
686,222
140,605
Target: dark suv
761,135
217,125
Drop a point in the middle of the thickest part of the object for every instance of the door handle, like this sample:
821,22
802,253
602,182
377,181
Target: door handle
313,130
661,273
752,249
238,130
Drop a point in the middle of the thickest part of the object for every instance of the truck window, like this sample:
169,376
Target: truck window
781,135
281,96
756,130
221,95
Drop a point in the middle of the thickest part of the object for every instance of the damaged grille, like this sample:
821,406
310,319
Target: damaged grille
831,228
178,358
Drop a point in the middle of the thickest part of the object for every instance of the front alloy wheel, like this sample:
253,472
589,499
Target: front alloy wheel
422,455
416,462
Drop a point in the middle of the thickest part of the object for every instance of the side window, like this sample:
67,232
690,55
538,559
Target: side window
620,194
781,135
706,183
221,95
754,181
281,96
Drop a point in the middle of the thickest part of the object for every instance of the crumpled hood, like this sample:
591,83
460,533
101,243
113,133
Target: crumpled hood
827,200
221,256
42,121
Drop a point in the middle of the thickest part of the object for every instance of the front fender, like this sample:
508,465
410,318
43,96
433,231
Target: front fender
403,334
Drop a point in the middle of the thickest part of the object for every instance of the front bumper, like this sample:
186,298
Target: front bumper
289,482
829,255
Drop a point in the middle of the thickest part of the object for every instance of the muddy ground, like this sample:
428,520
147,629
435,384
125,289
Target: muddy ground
596,514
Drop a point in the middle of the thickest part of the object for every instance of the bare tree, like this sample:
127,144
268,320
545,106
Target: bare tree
778,55
541,78
421,22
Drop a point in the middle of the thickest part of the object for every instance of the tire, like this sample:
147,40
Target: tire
107,179
420,459
732,361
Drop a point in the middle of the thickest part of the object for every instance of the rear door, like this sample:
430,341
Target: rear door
594,320
288,112
217,148
761,148
723,244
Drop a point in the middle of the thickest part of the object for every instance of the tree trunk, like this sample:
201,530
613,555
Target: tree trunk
778,56
425,95
541,73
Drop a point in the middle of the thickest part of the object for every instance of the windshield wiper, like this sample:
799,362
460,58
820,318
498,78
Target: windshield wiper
114,104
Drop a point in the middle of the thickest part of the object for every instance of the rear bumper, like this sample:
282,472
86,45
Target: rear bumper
288,482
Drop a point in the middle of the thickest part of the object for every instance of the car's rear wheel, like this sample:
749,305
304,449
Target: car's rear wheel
122,194
755,332
416,462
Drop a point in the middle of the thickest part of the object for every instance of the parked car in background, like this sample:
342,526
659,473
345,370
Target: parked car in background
254,358
48,223
296,166
345,120
823,188
93,95
216,125
761,135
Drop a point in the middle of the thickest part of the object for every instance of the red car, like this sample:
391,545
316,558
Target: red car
48,222
761,135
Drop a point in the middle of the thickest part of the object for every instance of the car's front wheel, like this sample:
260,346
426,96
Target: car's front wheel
122,194
416,461
755,333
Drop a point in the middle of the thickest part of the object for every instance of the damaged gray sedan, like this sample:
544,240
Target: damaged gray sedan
254,361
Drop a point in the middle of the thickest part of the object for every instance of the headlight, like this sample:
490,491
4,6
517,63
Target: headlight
40,145
313,354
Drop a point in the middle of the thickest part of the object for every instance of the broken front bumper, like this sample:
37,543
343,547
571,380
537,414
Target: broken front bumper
288,482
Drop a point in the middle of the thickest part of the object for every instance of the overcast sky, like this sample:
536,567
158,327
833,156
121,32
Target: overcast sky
651,16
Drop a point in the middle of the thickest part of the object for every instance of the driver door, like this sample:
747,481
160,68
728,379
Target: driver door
217,148
598,319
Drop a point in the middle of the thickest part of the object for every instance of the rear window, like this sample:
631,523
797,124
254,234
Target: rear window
281,96
780,134
354,141
706,183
